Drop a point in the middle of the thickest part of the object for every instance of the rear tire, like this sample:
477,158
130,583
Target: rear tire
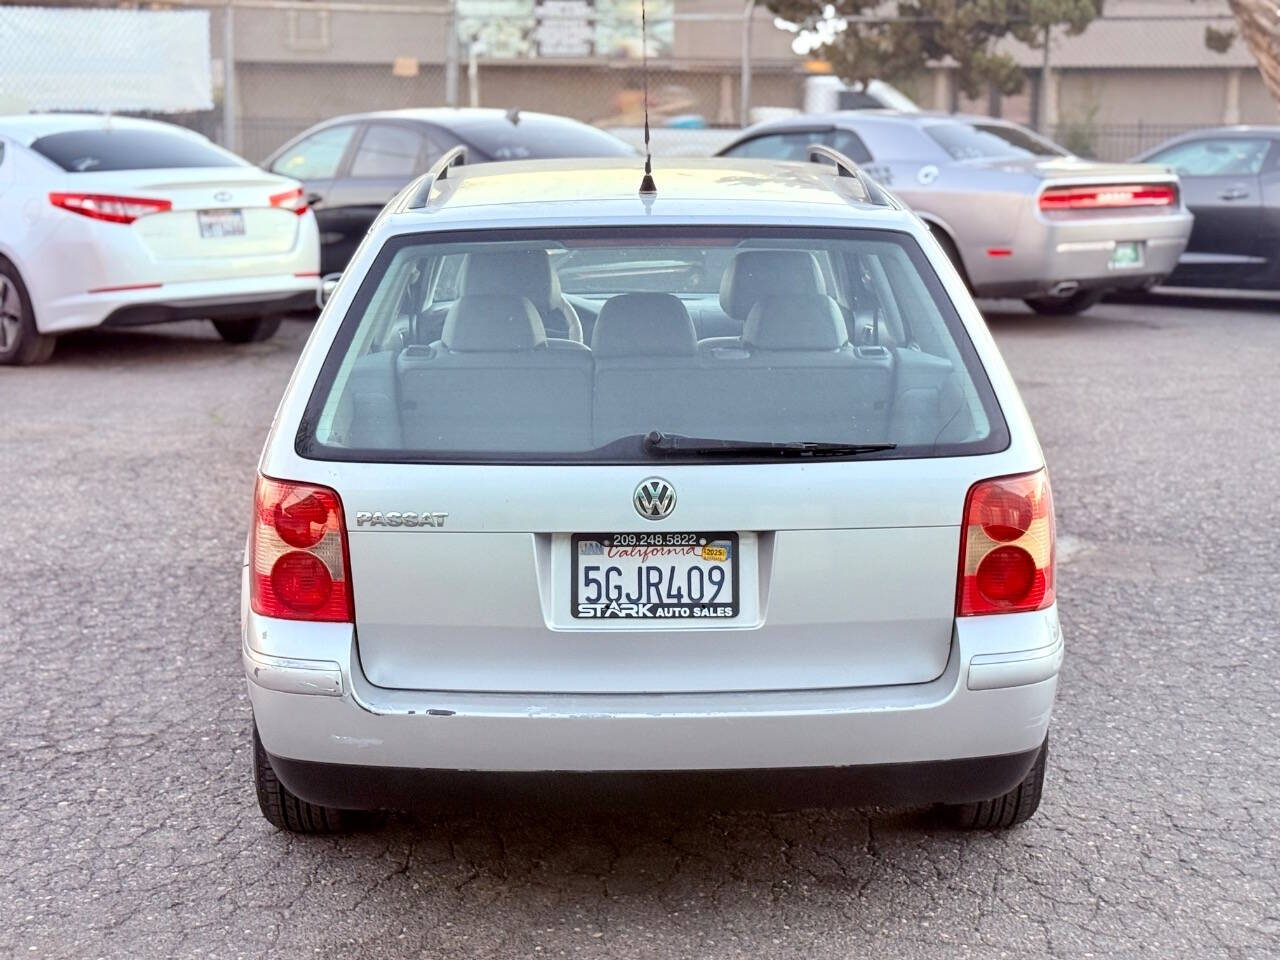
287,812
253,330
1078,302
1009,810
21,342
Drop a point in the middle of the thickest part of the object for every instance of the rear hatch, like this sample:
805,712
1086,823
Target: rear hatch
845,576
649,510
221,222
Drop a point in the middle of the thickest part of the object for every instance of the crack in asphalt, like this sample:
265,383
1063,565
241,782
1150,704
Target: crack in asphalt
127,817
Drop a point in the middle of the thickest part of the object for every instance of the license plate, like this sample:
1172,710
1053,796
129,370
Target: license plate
1126,255
220,223
655,576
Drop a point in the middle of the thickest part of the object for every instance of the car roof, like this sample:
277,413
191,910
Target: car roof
1263,129
716,188
919,118
462,119
27,128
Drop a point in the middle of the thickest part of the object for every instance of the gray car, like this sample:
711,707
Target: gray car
1231,182
352,165
1019,215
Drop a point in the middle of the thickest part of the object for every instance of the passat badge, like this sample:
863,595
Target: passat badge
395,518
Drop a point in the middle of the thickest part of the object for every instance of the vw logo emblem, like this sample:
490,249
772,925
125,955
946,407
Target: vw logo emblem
222,196
654,498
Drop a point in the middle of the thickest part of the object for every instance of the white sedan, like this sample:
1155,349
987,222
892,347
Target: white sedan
110,221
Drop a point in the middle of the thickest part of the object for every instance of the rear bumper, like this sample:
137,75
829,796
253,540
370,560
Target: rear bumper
222,299
324,723
1045,253
351,787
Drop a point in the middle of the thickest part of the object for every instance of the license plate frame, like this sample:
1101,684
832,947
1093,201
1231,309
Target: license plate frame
642,609
216,224
1126,255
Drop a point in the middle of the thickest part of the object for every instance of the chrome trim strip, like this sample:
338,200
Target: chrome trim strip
286,675
992,671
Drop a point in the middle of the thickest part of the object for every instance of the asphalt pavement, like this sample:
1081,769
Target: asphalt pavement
128,827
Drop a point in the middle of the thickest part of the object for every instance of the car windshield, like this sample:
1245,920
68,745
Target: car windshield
98,151
973,141
585,346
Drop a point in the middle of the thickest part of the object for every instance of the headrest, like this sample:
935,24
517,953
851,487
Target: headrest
754,274
522,273
492,324
645,324
811,322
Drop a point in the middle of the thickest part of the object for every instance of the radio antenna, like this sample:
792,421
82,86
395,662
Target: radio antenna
647,186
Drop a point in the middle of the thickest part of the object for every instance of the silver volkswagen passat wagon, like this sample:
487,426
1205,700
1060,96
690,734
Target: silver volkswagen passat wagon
727,479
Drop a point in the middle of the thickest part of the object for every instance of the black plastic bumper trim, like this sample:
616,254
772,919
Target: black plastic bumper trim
891,785
144,314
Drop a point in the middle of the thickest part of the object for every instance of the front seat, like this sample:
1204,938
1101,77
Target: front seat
523,273
755,274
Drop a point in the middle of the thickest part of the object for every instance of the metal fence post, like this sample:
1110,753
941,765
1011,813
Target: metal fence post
451,57
230,113
744,107
1044,122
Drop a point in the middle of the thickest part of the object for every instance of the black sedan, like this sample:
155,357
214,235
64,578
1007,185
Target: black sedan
351,166
1231,182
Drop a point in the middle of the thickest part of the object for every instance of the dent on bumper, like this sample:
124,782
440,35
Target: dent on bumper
994,698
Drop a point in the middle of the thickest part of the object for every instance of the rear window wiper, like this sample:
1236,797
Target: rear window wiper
675,444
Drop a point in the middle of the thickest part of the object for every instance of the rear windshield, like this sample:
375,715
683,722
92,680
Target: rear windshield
532,138
972,141
94,151
584,346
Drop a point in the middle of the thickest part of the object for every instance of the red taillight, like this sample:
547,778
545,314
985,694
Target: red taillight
1109,196
298,559
101,206
1007,546
294,200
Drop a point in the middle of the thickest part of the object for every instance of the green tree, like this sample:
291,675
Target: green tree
1257,22
871,39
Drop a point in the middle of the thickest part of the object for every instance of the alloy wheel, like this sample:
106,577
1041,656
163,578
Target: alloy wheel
10,314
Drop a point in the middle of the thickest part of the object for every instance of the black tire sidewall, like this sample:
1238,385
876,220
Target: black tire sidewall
1078,302
31,345
252,330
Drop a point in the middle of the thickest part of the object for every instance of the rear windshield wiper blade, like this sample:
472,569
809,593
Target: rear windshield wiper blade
675,444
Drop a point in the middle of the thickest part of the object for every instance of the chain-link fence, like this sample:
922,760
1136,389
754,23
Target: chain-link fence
272,68
276,67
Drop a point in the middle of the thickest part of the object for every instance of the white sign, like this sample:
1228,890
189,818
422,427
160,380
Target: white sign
108,60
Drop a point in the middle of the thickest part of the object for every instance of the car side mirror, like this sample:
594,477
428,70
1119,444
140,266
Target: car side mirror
328,284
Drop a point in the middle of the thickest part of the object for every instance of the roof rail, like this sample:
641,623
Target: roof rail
847,168
439,171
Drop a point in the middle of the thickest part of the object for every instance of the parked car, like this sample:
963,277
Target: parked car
1231,183
774,506
1018,215
116,222
353,165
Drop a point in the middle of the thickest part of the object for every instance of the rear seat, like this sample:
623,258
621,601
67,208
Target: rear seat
495,382
793,369
646,356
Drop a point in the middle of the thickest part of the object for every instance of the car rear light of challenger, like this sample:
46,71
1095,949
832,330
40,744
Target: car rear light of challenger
1007,546
1109,196
298,566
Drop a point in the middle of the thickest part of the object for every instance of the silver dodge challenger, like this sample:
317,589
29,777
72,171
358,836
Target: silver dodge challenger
1017,214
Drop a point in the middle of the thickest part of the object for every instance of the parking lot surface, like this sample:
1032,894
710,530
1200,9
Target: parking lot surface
128,826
